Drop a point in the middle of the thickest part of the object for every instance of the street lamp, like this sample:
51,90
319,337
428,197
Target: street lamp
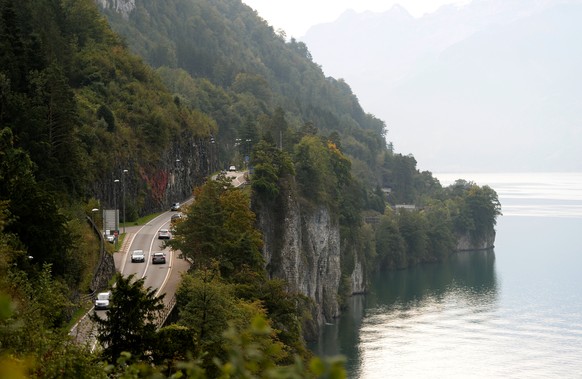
248,151
115,204
123,200
237,145
95,210
212,153
115,217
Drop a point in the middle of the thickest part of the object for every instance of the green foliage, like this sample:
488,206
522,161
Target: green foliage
390,245
75,106
32,311
408,237
283,308
476,209
219,227
270,165
131,321
35,220
313,170
208,306
249,353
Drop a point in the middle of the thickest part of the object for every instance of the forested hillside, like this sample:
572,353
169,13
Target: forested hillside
77,109
224,60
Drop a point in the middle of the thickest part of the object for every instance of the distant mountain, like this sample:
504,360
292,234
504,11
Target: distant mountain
493,85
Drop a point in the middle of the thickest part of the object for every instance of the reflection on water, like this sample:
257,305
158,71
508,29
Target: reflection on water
531,194
416,297
513,314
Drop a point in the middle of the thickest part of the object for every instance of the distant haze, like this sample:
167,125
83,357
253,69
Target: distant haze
296,16
495,85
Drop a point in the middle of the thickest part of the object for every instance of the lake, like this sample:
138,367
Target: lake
514,312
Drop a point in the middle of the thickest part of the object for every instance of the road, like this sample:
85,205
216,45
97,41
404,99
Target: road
165,277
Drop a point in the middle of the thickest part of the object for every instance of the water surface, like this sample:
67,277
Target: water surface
514,312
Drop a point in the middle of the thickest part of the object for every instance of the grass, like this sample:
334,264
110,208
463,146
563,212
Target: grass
140,221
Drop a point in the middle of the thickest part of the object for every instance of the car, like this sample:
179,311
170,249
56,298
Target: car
158,257
110,238
175,207
176,216
102,300
137,256
164,234
232,168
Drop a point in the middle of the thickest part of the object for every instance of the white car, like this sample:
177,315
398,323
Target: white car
110,238
102,300
232,168
137,256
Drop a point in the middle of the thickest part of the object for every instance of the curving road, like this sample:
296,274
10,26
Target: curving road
165,277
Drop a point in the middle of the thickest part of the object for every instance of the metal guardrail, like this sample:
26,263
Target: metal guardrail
166,312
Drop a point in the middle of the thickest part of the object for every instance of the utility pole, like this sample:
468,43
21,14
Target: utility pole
100,232
123,200
115,212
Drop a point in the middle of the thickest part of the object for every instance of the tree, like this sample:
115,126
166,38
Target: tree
219,227
36,220
390,247
412,226
130,325
270,165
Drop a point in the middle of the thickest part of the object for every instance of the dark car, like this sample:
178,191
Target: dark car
158,258
175,207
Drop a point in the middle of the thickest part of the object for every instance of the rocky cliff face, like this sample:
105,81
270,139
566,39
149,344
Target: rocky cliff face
464,242
302,247
153,186
123,7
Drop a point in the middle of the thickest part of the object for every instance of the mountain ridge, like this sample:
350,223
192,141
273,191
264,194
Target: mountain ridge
411,75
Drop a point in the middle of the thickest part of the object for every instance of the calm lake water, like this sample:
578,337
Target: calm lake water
515,312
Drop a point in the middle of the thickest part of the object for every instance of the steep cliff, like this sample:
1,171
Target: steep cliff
466,243
123,7
302,246
150,186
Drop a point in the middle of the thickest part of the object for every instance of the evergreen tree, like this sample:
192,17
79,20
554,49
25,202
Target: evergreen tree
131,320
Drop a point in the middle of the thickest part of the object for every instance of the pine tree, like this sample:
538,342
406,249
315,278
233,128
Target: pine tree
131,322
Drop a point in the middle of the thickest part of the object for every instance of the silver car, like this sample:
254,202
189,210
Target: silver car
137,256
164,234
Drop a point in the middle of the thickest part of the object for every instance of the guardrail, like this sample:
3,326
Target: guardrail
166,312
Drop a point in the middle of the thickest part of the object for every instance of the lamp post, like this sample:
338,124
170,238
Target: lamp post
123,200
100,234
212,153
247,152
115,217
115,203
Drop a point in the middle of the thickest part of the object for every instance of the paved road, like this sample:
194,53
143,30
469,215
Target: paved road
158,276
165,277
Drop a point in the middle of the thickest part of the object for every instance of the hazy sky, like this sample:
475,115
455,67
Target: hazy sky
296,16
